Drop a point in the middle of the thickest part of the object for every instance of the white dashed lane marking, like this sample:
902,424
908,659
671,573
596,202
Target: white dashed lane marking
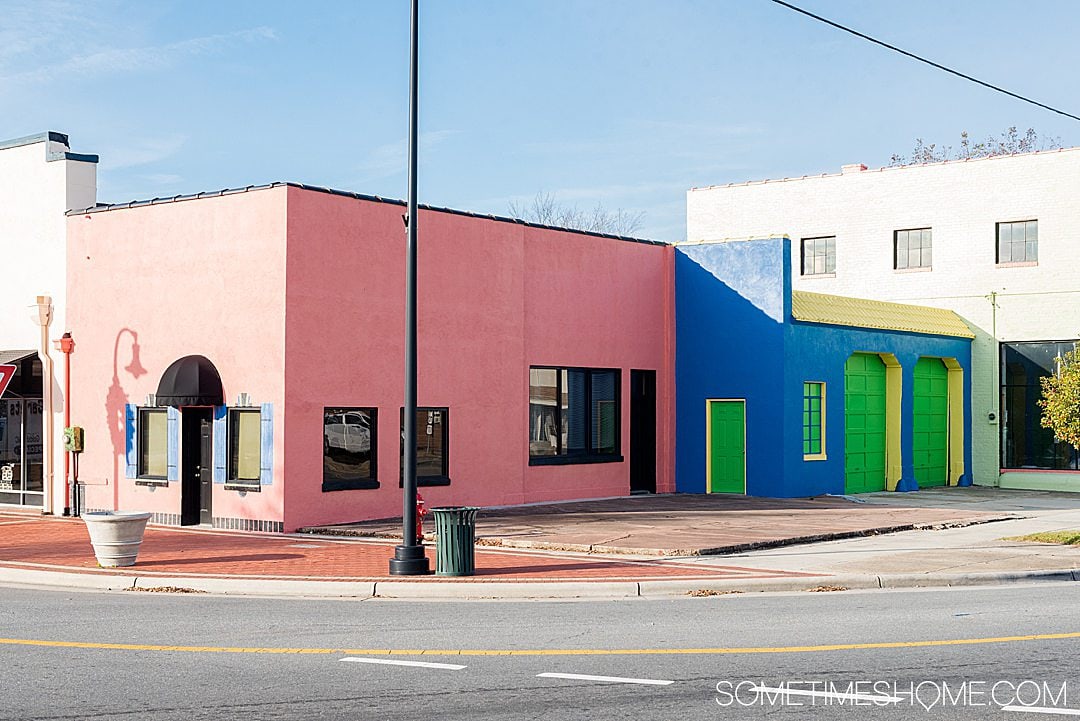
1049,711
394,662
608,679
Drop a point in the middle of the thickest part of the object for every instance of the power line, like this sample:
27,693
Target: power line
931,63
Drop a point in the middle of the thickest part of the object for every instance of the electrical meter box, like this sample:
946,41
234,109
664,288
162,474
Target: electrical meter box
73,439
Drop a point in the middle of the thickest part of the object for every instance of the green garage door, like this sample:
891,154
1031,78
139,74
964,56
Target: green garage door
864,424
930,423
727,447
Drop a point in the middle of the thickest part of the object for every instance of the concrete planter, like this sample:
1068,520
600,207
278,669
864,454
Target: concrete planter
116,536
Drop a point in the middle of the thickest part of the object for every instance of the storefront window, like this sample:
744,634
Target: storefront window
10,451
573,415
245,450
432,439
350,441
1025,444
21,434
153,443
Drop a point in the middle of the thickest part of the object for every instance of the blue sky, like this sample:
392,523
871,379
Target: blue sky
623,102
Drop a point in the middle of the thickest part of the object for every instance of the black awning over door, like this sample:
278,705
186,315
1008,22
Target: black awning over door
191,381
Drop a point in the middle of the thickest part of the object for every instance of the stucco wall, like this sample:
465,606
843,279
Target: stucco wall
736,340
203,277
494,297
818,353
961,202
729,324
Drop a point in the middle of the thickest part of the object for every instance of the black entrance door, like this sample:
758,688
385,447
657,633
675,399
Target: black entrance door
197,486
642,431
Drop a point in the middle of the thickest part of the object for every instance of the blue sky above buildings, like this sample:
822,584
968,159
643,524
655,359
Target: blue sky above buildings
622,102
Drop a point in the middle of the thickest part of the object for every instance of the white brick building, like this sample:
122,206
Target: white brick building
997,240
40,179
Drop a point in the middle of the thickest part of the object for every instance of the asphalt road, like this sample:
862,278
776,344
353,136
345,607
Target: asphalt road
208,657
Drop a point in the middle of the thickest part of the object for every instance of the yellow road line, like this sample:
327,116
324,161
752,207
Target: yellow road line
541,651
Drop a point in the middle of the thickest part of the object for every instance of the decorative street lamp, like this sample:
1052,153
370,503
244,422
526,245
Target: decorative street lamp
409,558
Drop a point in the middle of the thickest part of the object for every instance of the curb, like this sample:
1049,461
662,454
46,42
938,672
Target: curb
495,542
518,590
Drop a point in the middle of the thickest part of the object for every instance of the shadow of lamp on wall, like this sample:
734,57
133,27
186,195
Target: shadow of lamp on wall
116,402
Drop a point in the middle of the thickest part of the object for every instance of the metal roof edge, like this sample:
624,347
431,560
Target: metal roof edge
78,157
102,207
35,138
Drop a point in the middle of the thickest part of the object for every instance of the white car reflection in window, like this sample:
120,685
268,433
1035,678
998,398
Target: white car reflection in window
349,432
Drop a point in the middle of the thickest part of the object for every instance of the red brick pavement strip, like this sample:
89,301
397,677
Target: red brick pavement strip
61,544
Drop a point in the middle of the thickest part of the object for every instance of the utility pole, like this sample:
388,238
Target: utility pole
409,558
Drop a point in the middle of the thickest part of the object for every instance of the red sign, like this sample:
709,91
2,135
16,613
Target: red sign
7,372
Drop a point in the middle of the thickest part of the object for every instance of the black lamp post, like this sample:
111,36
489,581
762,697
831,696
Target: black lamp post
409,558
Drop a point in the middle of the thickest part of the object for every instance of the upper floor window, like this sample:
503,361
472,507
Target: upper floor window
912,249
573,415
1018,242
819,256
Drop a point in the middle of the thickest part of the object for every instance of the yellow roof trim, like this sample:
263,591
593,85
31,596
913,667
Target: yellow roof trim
876,314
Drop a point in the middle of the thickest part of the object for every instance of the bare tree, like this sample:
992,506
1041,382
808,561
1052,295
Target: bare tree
1009,142
546,210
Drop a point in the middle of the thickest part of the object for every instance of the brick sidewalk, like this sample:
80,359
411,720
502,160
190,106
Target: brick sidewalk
62,544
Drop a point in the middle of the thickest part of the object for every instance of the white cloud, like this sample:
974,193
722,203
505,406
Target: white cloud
114,60
141,151
392,158
162,178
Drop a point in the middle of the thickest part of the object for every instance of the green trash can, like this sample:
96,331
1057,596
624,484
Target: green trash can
455,530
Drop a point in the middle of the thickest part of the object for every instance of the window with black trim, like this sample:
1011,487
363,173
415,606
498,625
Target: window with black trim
912,248
350,441
1018,242
574,415
153,443
245,446
1025,444
432,443
819,256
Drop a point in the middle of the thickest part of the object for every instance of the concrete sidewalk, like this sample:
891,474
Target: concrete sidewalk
958,547
694,525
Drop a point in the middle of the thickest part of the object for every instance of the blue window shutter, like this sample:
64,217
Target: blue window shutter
131,445
266,455
221,450
173,415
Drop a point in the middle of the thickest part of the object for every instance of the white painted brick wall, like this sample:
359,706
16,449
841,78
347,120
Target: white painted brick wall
35,193
961,201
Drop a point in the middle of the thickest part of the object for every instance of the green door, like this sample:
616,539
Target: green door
864,424
727,447
930,423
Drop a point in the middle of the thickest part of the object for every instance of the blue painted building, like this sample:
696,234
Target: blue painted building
782,393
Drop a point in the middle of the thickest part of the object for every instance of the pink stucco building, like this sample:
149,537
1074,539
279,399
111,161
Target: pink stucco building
241,359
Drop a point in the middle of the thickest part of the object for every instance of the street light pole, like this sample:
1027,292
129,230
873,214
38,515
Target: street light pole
409,558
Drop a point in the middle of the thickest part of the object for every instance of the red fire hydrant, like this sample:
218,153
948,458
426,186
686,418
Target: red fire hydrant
421,511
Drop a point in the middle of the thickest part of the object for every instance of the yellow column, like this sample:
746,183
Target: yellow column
894,393
956,420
